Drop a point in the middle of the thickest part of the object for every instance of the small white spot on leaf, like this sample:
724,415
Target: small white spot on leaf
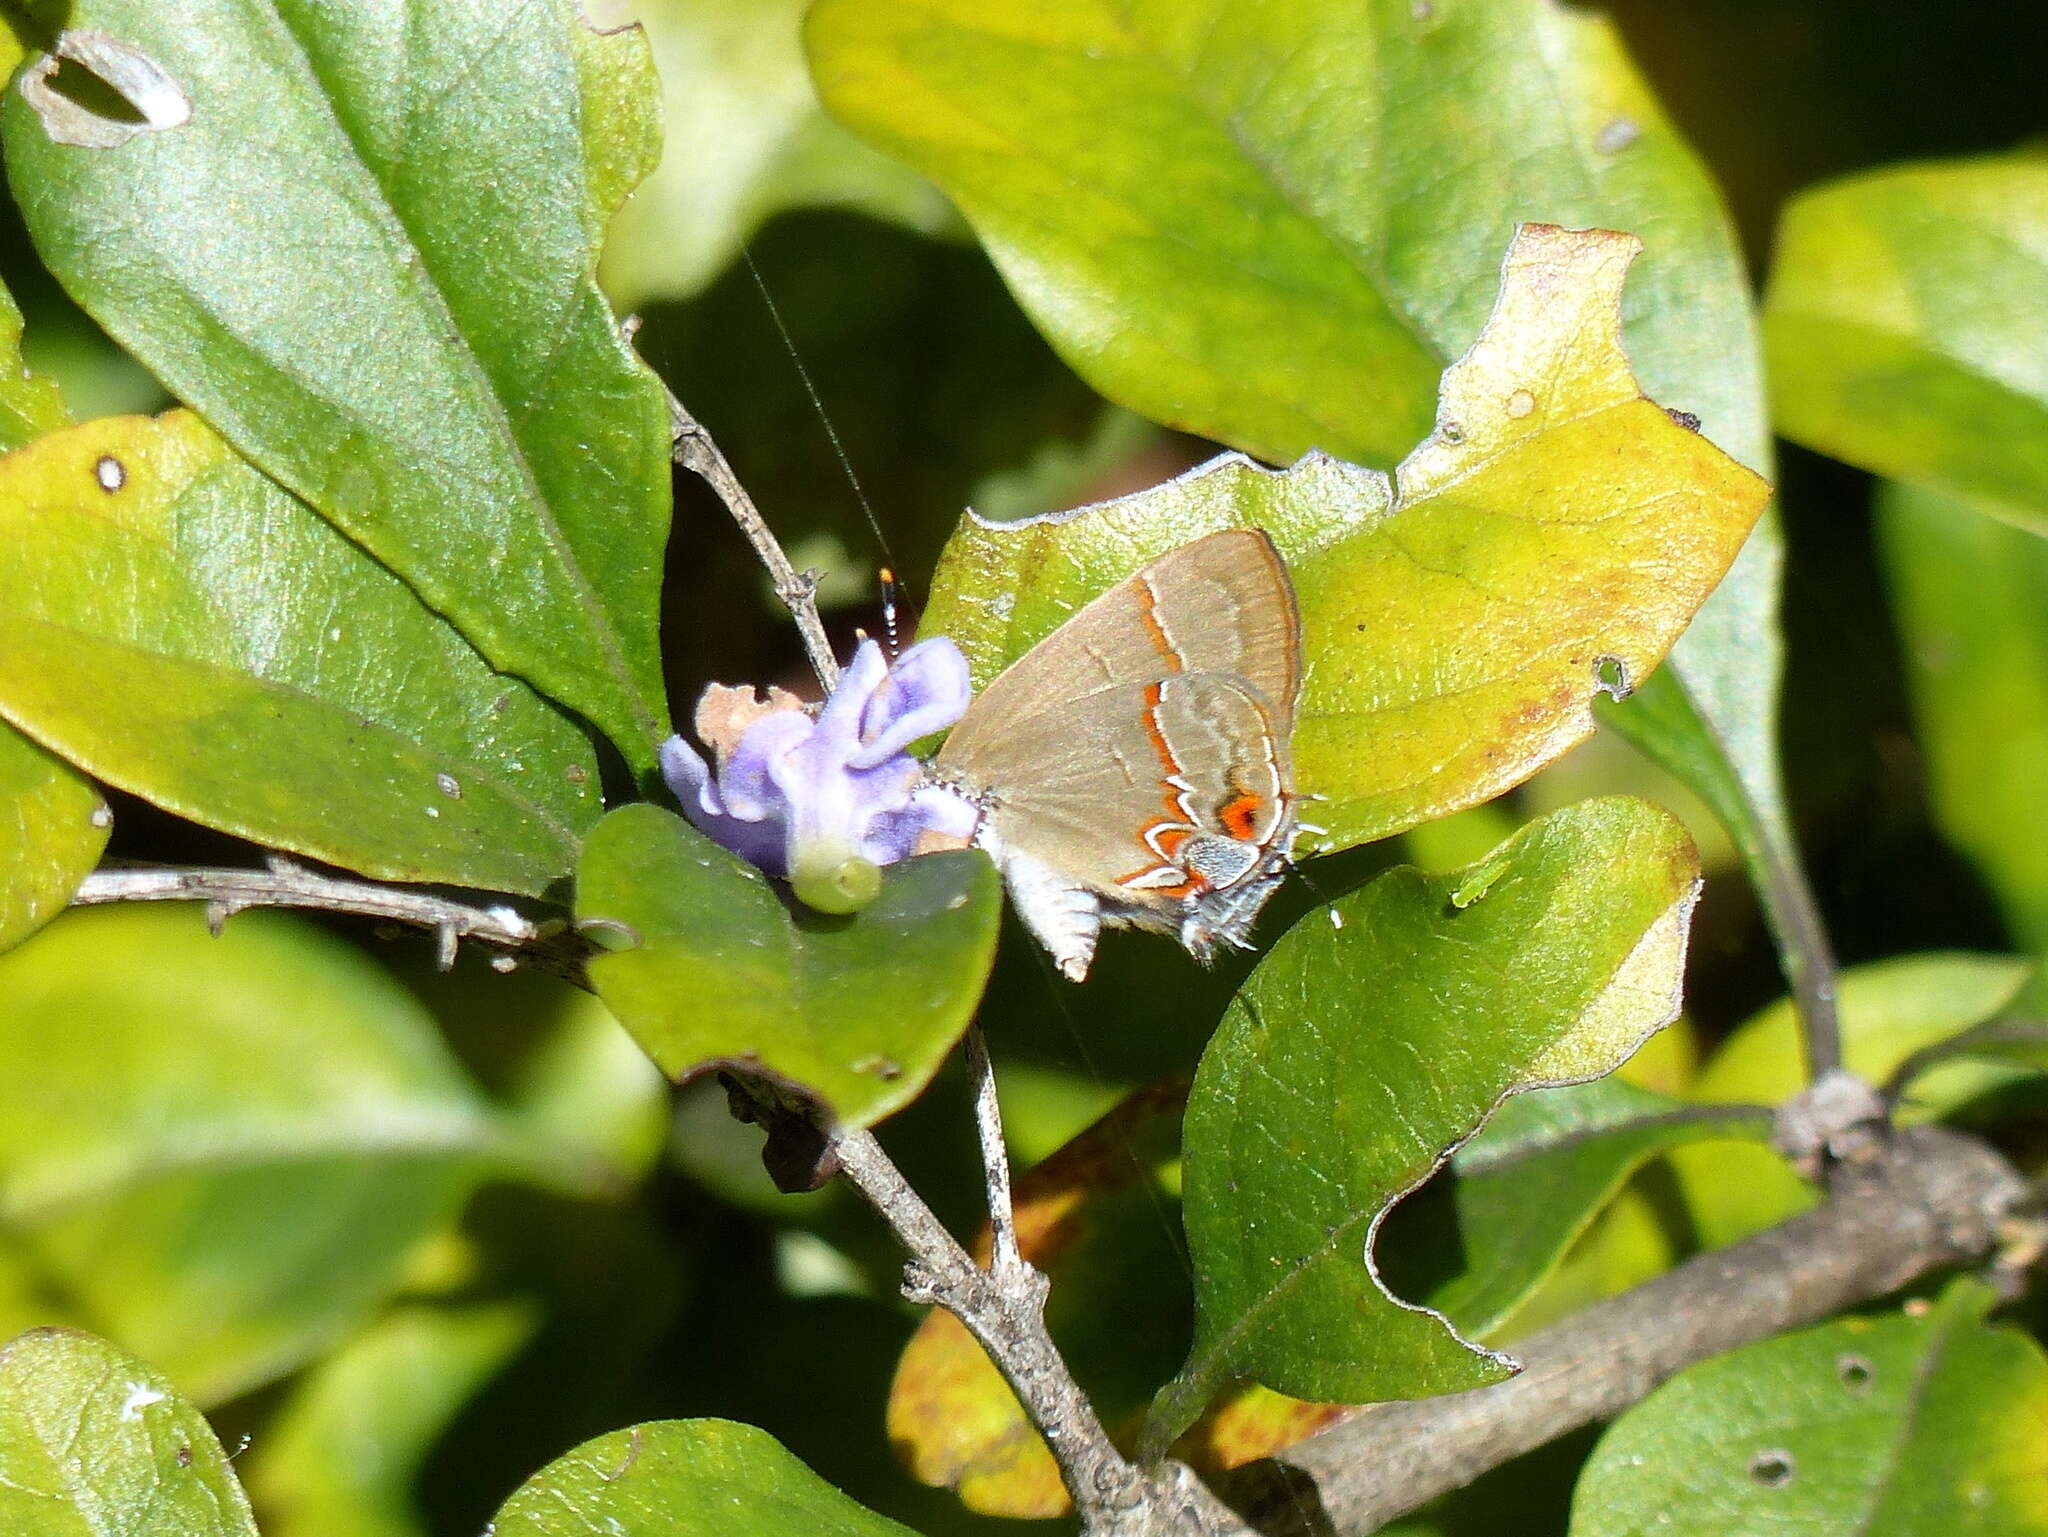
449,786
140,1397
1617,136
116,92
110,472
1521,403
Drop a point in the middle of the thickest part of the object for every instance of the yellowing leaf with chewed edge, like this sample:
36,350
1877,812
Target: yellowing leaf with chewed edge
1551,537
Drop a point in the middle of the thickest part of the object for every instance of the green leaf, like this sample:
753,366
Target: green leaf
95,1444
722,972
672,1476
184,629
1927,1423
340,1457
1459,616
1970,597
1907,327
30,404
1357,1057
53,824
385,299
220,1151
1889,1010
1275,227
1527,1186
745,139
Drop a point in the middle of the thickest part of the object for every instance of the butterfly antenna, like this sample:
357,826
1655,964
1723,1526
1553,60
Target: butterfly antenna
892,635
818,405
1324,900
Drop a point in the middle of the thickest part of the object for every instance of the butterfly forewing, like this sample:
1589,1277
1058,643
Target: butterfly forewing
1162,710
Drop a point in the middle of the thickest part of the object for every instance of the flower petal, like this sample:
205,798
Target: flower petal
749,784
689,777
843,711
926,691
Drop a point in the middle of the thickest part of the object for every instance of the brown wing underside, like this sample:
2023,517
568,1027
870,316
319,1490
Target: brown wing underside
1222,603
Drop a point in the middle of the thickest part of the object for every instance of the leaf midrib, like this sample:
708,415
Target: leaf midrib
425,282
1202,1368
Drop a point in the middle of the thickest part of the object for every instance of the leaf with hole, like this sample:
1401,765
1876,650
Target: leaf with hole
93,1443
716,969
1458,617
671,1476
1923,1423
1356,1059
1276,226
386,299
186,630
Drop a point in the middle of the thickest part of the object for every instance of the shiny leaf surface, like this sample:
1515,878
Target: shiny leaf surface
673,1476
386,299
53,823
93,1443
720,971
188,631
1926,1423
1458,617
1275,227
1357,1058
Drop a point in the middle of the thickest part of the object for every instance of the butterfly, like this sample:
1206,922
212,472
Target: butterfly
1134,768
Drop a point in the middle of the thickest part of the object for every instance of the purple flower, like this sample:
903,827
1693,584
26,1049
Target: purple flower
828,798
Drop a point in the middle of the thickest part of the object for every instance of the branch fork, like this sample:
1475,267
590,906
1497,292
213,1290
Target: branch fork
1003,1307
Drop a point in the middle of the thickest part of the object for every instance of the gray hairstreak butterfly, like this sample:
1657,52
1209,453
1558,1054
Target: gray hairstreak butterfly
1133,768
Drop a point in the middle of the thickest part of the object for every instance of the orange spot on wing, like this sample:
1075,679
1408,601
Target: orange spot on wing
1240,817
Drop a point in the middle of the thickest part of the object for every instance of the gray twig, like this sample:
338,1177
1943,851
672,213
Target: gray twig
697,453
547,941
1796,925
995,1156
1004,1309
1932,1198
